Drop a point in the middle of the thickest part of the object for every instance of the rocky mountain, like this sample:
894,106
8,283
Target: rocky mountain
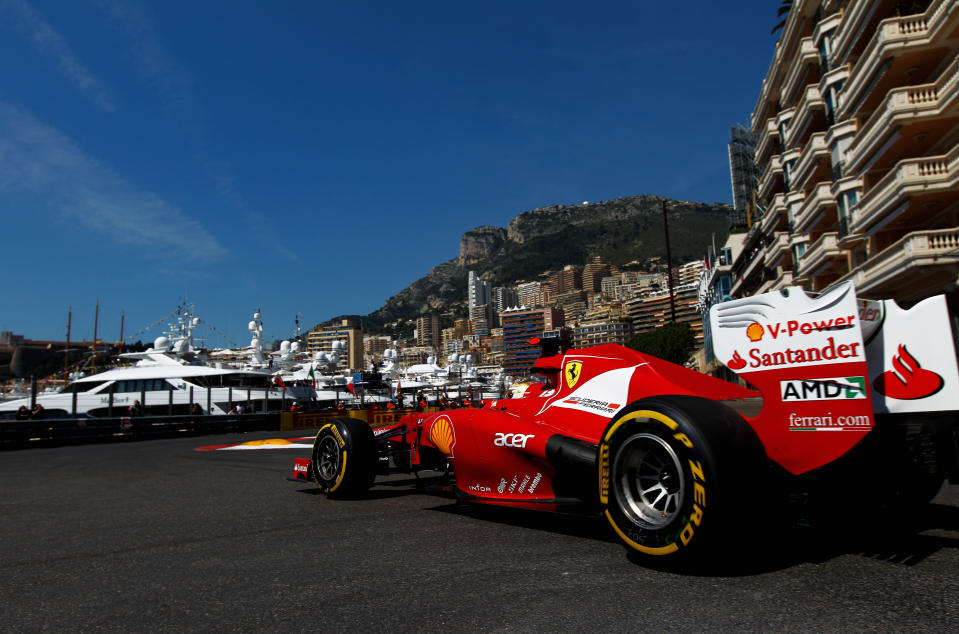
624,230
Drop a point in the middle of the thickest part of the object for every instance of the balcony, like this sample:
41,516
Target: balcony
921,105
916,266
899,43
821,256
806,60
910,179
827,25
812,154
854,21
814,207
810,105
775,215
768,142
777,249
773,175
751,275
785,279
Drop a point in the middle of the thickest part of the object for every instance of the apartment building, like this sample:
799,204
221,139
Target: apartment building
594,333
656,309
688,273
478,290
504,297
858,150
349,332
521,325
594,272
428,331
565,281
375,345
531,295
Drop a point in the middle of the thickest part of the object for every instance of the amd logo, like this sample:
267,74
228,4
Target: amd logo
840,388
512,440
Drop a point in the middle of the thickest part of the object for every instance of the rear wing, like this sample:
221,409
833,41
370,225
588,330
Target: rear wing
828,363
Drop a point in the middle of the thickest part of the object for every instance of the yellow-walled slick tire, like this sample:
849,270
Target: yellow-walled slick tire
344,457
674,474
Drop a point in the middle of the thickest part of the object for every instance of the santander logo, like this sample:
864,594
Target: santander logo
737,362
909,381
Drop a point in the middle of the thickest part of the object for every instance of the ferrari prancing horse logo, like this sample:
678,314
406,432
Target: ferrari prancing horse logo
572,372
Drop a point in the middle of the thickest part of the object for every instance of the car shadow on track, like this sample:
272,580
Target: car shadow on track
785,546
780,544
435,484
893,540
592,527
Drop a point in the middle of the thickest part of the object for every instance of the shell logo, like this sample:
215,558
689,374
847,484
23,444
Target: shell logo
443,436
754,332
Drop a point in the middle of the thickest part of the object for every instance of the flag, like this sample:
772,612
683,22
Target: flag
278,380
312,377
349,386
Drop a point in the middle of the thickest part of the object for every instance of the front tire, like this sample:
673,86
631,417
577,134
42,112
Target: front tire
344,457
676,474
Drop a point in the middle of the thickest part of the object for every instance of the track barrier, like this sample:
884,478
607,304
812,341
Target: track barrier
64,431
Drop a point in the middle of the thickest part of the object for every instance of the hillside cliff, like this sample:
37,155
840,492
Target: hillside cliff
621,230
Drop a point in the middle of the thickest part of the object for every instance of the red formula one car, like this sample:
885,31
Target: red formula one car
856,395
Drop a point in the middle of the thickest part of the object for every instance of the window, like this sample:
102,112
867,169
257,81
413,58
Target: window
783,126
832,101
824,54
141,385
726,256
85,386
799,250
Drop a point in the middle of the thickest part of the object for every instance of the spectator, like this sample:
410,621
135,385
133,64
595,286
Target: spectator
23,413
38,411
197,410
136,409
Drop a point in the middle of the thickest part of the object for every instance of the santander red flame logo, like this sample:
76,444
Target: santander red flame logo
737,362
909,381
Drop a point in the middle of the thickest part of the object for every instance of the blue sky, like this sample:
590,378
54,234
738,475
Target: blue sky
315,157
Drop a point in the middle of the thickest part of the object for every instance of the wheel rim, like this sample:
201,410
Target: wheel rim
327,458
649,480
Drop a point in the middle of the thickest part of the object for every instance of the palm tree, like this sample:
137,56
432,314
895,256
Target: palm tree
783,13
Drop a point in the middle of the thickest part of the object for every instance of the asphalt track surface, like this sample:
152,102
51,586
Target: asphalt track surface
154,536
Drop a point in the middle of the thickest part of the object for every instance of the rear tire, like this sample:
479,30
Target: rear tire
678,475
344,457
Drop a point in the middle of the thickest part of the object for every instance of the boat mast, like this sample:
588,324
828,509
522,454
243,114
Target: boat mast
96,319
121,331
66,356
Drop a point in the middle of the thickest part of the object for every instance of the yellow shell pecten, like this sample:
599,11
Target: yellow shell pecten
442,435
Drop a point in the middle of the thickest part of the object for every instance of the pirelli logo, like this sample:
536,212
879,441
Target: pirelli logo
604,473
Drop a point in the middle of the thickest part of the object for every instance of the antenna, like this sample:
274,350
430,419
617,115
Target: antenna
66,361
96,320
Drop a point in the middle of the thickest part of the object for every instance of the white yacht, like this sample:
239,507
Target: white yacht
172,376
435,383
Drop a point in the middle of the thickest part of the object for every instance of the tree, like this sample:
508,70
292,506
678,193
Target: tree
672,342
783,13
